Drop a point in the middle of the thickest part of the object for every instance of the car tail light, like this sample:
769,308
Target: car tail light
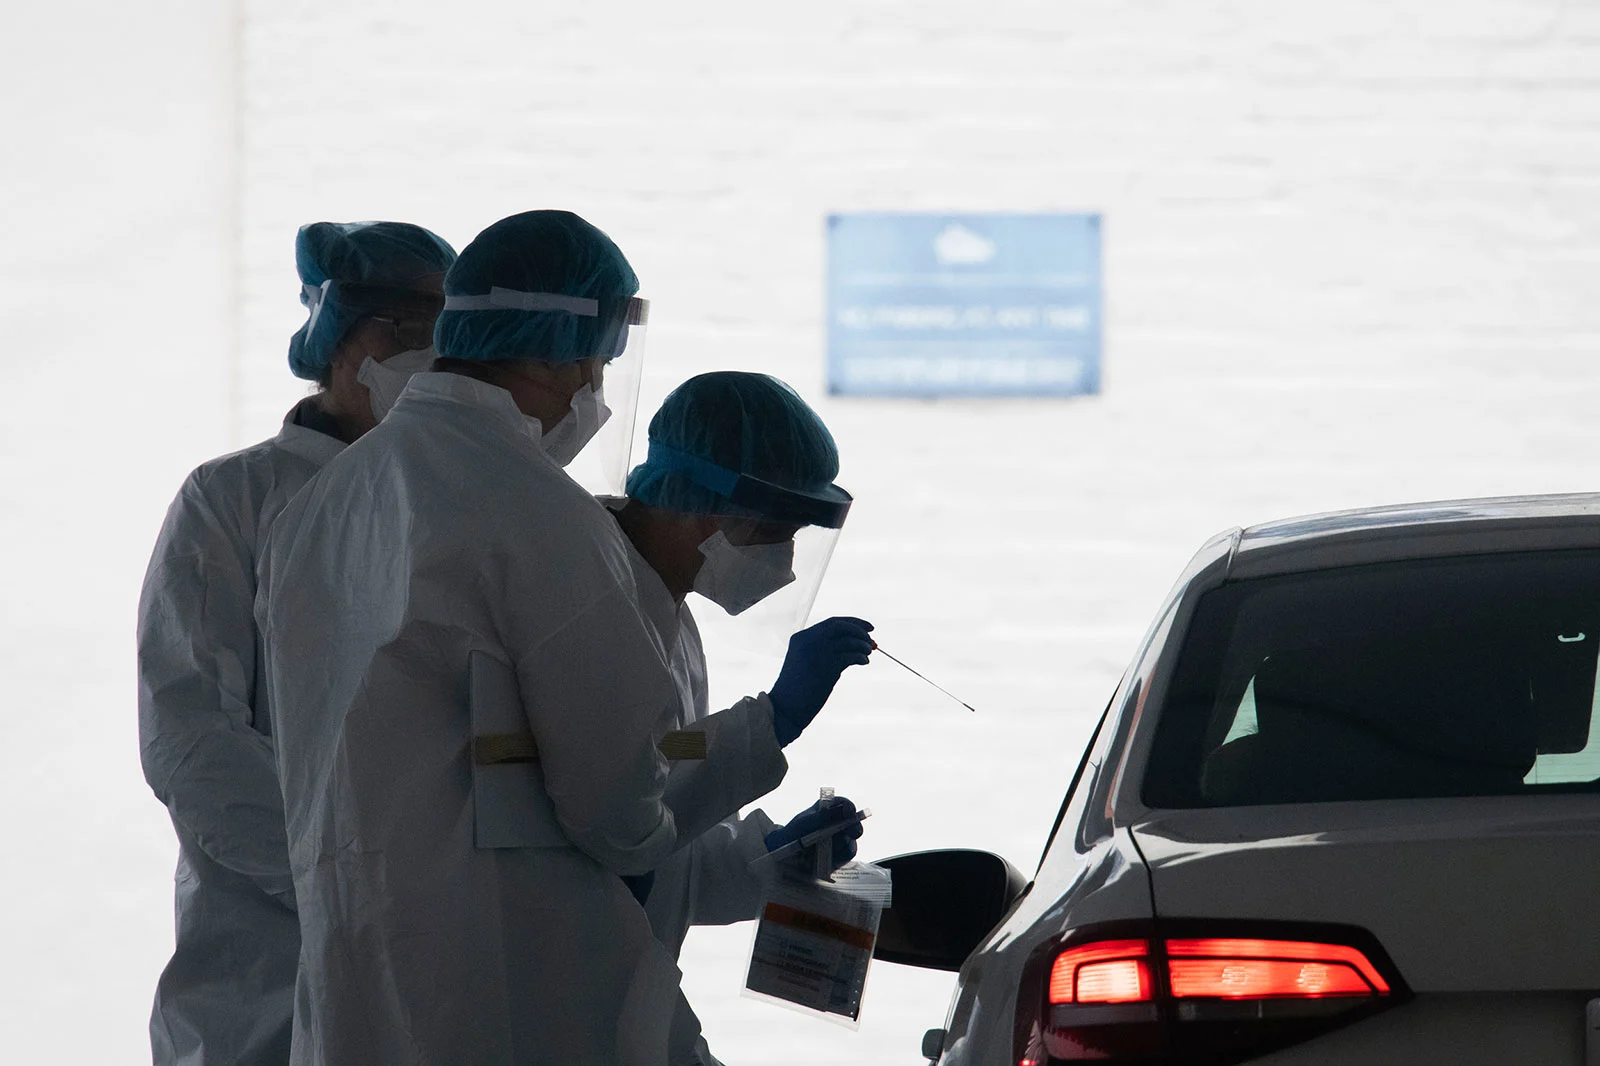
1105,995
1269,969
1110,971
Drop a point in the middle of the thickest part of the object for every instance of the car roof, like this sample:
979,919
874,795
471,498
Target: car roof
1422,530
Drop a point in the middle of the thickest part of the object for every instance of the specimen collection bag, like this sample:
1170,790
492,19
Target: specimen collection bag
814,940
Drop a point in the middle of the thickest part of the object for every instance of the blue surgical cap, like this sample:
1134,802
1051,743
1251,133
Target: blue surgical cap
374,254
742,424
550,252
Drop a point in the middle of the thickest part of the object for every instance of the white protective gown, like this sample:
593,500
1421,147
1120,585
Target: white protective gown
444,580
226,998
708,882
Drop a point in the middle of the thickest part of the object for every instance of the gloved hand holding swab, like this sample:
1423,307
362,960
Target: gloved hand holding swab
817,836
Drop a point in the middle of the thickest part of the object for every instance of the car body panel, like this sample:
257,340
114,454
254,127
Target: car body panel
1457,527
1418,874
1493,1029
1105,882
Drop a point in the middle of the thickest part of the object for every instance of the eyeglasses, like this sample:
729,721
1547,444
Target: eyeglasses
410,334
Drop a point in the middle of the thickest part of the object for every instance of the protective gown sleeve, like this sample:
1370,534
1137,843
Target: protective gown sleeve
743,763
197,659
725,888
595,692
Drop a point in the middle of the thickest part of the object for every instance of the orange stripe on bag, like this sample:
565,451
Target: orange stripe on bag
818,924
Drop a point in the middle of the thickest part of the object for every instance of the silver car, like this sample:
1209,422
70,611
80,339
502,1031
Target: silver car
1344,807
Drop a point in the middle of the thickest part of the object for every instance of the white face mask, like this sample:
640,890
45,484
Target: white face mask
567,438
736,577
386,380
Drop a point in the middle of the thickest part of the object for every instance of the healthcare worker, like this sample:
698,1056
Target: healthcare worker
739,469
466,699
373,290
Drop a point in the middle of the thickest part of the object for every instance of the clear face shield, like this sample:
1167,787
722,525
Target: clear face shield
749,647
602,466
795,562
411,312
763,568
610,392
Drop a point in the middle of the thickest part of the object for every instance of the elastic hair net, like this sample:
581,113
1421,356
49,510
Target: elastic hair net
393,254
750,424
550,252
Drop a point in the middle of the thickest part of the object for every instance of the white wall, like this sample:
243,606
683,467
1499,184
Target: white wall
1351,258
116,299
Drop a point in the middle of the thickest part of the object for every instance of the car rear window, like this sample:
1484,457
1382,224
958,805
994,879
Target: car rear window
1470,676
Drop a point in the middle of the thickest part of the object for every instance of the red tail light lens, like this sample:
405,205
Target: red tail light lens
1218,998
1269,969
1262,979
1102,1004
1111,971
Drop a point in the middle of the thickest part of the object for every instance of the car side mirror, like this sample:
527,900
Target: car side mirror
945,903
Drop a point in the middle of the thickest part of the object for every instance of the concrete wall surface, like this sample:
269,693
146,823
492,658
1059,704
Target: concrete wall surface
1351,258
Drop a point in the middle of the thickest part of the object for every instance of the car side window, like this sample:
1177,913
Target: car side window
1244,722
1550,767
1471,676
1078,787
1565,766
1096,817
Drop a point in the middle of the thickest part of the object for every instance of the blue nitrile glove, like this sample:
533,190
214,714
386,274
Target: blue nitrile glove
820,815
817,656
640,885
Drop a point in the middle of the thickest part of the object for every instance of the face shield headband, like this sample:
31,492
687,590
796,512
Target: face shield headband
635,312
360,297
827,507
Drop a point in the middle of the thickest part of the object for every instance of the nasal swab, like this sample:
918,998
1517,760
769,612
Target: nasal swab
877,647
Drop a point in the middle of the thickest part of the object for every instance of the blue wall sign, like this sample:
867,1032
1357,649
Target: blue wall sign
963,305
